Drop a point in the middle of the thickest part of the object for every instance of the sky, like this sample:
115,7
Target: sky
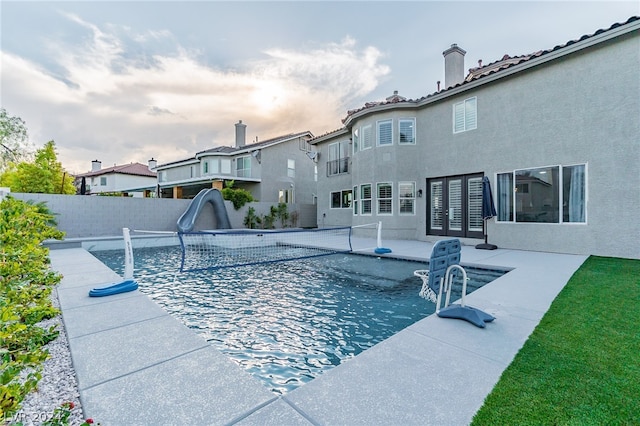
123,81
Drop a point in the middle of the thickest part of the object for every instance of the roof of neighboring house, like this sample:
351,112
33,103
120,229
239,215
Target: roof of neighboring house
256,145
230,150
480,72
135,169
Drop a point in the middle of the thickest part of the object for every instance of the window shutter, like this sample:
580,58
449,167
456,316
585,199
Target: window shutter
367,137
458,117
470,112
385,133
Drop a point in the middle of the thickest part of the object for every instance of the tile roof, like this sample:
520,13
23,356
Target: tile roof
490,69
136,169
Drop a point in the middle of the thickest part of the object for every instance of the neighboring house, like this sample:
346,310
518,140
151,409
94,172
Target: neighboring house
135,179
274,170
556,131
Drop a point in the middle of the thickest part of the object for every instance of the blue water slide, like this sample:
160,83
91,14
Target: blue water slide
212,196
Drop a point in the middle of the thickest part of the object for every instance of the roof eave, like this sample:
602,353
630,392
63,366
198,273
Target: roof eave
328,136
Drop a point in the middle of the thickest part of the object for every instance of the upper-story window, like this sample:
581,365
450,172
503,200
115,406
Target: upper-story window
355,138
407,129
465,115
338,161
367,138
103,180
225,166
291,168
205,167
385,132
243,166
214,166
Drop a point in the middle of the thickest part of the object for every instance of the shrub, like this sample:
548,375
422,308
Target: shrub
251,219
26,284
282,213
238,196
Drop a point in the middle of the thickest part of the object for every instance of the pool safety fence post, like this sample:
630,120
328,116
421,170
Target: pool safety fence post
128,255
379,249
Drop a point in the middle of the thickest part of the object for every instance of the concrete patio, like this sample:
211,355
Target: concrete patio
136,365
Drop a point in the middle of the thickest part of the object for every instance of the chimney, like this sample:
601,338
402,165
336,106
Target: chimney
153,164
453,66
241,134
96,165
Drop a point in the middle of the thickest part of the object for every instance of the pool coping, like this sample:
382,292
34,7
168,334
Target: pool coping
436,371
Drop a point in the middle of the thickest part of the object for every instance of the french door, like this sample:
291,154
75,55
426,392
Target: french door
454,206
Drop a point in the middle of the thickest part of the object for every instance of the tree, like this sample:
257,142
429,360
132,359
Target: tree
44,175
238,196
14,146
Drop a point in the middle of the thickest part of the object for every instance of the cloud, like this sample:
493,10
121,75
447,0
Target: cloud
116,102
154,110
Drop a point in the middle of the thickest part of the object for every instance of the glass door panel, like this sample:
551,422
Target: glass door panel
454,212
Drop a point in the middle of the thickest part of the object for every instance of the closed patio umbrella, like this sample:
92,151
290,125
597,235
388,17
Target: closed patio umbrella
488,211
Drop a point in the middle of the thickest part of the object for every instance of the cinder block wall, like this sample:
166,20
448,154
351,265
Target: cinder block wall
93,216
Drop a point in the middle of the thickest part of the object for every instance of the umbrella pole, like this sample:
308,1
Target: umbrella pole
484,228
486,245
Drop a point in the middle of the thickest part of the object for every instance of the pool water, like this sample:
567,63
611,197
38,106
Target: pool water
288,322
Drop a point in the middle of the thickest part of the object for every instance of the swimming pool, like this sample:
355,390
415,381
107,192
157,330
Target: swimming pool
288,322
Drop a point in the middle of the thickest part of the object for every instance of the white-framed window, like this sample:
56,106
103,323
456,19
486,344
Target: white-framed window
384,132
355,200
286,196
355,138
341,199
205,167
338,162
407,198
365,199
243,166
103,181
407,131
225,166
291,168
465,115
552,194
214,166
367,138
384,192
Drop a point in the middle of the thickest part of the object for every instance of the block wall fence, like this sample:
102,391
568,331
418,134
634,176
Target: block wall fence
81,216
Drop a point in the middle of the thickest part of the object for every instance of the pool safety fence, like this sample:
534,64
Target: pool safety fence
215,249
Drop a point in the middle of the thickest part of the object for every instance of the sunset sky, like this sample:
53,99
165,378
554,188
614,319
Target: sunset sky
123,81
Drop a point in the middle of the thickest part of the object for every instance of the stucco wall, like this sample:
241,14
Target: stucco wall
93,216
582,108
273,173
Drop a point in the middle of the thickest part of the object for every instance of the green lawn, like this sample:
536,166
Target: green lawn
581,365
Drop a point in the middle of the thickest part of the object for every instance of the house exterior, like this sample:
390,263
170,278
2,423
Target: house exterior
274,170
135,179
556,132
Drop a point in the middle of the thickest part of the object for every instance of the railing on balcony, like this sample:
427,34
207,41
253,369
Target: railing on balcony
338,167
